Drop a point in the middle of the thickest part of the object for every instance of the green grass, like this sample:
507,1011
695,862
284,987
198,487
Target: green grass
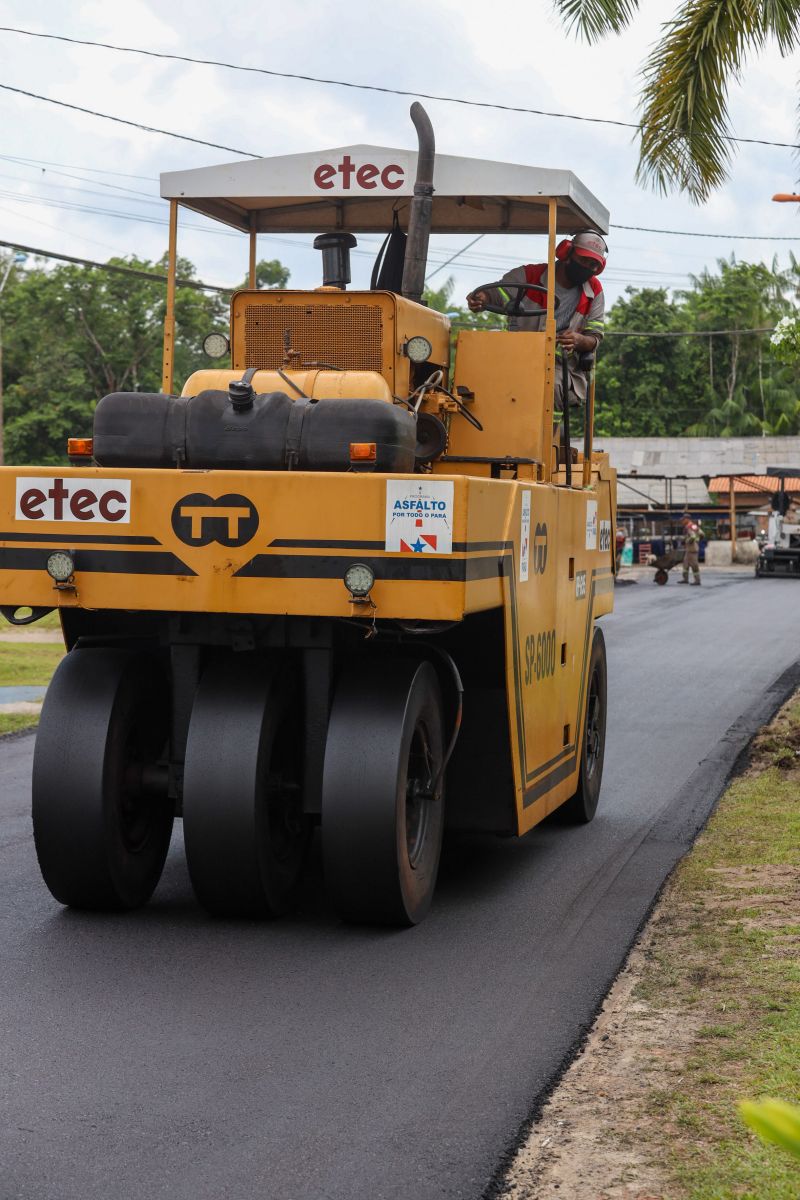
16,722
728,959
29,663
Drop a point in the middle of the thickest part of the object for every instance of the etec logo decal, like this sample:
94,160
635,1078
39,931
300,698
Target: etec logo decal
540,549
74,499
369,176
198,520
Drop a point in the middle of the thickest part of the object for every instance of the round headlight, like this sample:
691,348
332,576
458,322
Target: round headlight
418,349
216,345
358,579
60,566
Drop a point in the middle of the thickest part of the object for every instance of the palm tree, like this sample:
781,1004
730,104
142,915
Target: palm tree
686,139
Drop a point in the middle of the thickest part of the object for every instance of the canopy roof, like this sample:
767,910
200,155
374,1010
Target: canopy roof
357,188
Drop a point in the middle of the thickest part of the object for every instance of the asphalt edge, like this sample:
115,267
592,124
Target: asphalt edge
14,735
710,779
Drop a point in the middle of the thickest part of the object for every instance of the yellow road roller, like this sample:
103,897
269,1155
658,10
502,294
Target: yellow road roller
351,582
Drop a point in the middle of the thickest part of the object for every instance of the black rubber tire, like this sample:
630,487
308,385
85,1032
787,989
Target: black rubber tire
661,576
101,842
245,833
381,838
582,806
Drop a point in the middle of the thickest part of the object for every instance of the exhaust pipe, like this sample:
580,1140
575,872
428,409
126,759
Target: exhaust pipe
419,224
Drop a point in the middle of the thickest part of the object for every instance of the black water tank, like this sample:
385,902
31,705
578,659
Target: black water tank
147,429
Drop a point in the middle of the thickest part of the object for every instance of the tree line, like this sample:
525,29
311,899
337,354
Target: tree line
680,381
71,334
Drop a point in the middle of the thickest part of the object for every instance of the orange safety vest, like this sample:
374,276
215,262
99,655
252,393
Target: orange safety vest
534,273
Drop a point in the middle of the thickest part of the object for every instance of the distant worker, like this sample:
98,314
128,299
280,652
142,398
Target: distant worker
580,312
691,551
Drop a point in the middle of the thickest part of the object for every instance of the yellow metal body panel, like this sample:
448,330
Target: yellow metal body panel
305,529
549,621
506,374
362,331
318,385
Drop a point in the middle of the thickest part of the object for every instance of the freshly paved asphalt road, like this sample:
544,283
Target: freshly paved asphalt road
163,1054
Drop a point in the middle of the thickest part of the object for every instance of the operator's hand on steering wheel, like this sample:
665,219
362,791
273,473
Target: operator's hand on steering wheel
476,301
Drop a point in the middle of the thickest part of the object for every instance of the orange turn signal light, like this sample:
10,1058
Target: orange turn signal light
363,451
80,447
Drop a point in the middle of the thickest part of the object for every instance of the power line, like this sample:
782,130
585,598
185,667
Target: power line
749,237
87,262
209,287
636,333
184,137
44,162
252,154
684,332
365,87
457,254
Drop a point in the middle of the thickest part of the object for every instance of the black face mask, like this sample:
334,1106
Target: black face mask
576,274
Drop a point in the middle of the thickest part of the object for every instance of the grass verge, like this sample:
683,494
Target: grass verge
17,722
729,961
706,1013
29,663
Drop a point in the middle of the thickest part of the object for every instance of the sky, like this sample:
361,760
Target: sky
77,184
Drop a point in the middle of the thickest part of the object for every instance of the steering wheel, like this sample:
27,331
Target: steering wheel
514,307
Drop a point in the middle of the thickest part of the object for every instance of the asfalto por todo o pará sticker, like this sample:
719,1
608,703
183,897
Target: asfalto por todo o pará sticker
525,537
591,524
419,516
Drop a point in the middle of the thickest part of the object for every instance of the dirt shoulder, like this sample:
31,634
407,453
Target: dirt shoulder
706,1012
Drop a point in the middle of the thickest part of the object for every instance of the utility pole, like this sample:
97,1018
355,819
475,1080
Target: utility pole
13,260
733,518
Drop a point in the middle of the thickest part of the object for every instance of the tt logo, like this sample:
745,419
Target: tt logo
540,549
198,520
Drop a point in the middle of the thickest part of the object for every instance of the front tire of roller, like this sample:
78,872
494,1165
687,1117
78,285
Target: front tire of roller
381,828
582,806
245,832
101,838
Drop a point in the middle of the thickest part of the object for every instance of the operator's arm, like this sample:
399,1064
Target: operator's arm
588,339
498,296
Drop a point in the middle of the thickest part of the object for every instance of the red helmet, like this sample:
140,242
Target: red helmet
591,245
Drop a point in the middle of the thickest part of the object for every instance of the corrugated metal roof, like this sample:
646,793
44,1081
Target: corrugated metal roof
759,484
686,460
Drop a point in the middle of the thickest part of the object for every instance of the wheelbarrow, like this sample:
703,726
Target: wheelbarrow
664,563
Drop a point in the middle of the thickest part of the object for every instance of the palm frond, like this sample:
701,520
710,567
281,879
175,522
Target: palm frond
685,129
781,20
594,18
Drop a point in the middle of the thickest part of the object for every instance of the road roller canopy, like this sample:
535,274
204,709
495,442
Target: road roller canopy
359,188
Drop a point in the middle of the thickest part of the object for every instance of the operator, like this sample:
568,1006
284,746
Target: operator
580,311
691,551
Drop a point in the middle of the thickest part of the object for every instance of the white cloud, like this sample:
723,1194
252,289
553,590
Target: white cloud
515,54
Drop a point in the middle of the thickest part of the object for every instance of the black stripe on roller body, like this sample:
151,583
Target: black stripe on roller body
349,544
408,567
80,539
565,762
112,562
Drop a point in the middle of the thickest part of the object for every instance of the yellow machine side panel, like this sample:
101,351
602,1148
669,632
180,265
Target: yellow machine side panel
553,594
506,372
243,542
